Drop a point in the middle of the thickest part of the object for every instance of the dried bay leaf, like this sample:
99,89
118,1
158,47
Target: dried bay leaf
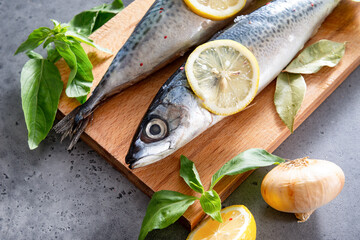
317,55
289,94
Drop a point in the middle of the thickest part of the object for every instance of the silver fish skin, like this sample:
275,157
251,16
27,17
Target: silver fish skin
274,33
166,32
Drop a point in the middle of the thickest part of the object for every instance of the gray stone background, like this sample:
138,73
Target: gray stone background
49,193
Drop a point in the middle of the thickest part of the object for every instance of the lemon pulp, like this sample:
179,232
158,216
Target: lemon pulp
238,223
224,74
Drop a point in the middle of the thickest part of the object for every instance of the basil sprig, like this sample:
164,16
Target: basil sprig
41,84
290,84
166,207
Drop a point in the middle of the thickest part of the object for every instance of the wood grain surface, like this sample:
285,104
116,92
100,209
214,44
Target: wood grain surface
115,122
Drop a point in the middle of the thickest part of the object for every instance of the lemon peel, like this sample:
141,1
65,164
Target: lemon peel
215,9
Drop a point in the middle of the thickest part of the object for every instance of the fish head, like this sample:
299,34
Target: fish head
162,129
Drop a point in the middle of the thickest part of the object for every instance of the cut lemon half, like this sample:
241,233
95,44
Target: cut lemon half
238,223
215,9
224,74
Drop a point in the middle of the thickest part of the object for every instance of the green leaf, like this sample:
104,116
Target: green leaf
57,25
82,99
314,57
81,77
85,40
289,94
33,55
81,84
34,40
164,209
245,161
190,175
65,51
89,21
41,87
49,40
52,55
114,7
211,204
83,23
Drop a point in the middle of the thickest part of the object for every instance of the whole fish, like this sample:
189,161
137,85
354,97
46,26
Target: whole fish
274,34
167,30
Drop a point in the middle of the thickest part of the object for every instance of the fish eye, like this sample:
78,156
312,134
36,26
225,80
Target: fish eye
156,129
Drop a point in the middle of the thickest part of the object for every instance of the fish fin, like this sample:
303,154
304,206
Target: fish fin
73,125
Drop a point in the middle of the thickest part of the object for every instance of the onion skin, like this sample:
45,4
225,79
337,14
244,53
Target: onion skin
302,185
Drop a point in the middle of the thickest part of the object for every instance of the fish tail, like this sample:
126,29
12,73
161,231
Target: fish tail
74,124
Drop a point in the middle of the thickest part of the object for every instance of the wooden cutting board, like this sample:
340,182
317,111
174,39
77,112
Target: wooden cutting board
259,126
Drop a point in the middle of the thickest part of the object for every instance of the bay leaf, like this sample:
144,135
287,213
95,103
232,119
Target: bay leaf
313,58
289,94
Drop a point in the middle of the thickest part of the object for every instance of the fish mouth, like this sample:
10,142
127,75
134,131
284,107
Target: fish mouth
141,162
129,158
146,160
130,161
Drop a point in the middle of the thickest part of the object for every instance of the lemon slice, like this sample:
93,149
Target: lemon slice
215,9
224,74
238,223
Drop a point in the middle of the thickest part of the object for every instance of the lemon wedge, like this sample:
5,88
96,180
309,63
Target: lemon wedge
216,9
238,223
224,74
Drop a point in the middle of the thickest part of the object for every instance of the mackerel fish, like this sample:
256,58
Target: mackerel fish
274,33
166,32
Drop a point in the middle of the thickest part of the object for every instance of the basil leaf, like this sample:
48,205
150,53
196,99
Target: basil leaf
33,55
65,51
41,87
82,99
89,21
289,94
314,57
81,77
85,40
114,7
211,204
57,25
52,55
190,175
34,40
164,209
81,84
245,161
49,40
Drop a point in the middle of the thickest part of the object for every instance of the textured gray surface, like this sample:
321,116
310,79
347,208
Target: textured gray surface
49,193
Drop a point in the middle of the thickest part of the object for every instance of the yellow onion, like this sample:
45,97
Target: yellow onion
302,185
